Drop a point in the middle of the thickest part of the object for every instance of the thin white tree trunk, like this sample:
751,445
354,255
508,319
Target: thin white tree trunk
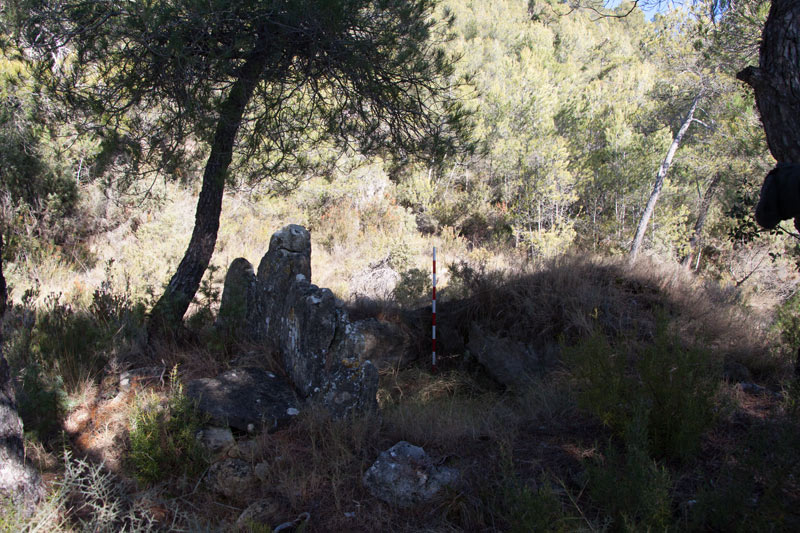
662,173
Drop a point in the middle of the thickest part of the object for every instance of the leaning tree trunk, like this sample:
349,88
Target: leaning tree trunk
697,232
19,481
170,308
662,174
776,81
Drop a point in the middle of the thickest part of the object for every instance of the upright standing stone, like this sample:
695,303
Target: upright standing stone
304,323
238,296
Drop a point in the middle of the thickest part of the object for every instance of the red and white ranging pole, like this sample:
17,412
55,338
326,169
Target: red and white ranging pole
433,338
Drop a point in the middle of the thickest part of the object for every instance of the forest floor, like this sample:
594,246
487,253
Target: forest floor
671,403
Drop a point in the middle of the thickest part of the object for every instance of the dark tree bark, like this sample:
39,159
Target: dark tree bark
697,232
170,308
18,480
776,81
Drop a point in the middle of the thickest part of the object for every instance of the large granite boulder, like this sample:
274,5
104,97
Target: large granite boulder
404,475
247,399
306,325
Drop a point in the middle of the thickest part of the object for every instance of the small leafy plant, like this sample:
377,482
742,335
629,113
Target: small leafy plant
162,435
673,384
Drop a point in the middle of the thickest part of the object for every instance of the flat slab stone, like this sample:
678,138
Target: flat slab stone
248,399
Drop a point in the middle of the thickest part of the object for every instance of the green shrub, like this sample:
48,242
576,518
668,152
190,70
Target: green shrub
755,489
65,342
673,384
528,509
162,436
207,300
400,255
628,486
70,343
48,515
414,287
787,325
41,402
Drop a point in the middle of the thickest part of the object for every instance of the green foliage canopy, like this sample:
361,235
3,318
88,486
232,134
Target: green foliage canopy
261,80
152,76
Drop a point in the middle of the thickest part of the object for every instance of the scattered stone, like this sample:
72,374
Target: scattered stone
142,376
736,372
232,478
259,513
215,439
245,399
755,389
247,449
262,471
510,363
405,475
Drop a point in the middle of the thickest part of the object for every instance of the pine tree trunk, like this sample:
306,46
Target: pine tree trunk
170,308
19,481
705,206
662,174
776,81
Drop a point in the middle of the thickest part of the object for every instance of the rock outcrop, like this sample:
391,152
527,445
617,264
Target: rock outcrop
316,340
404,475
509,362
19,481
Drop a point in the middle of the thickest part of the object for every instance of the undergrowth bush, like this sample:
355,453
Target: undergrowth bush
755,488
532,509
97,501
48,516
41,402
66,341
414,287
162,436
628,487
787,325
206,300
672,384
71,343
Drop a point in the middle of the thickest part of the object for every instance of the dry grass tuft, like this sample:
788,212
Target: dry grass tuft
570,297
